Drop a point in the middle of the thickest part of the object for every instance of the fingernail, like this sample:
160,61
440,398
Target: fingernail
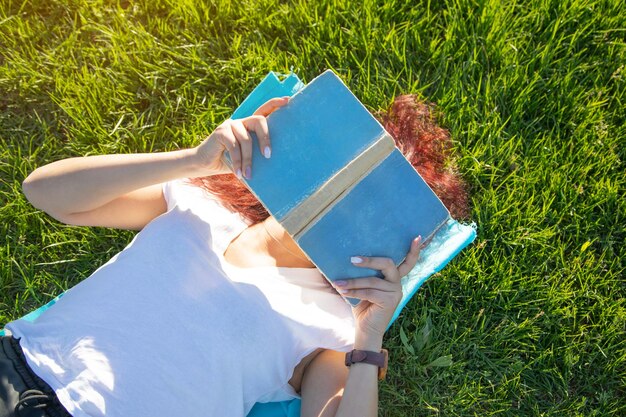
267,152
238,173
248,172
356,260
341,283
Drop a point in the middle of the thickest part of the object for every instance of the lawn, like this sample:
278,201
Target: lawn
530,320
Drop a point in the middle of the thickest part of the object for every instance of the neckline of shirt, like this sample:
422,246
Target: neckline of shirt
280,270
284,271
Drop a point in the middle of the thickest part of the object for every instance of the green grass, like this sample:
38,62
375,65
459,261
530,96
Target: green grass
530,320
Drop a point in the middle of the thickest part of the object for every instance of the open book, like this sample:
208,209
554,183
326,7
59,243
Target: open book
336,182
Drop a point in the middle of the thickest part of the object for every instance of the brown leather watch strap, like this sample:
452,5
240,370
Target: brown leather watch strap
380,359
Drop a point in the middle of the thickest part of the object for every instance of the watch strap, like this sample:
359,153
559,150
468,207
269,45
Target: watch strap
380,359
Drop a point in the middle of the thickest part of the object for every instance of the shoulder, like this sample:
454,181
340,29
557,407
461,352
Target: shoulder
183,192
323,383
186,195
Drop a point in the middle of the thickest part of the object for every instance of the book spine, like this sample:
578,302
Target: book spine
306,214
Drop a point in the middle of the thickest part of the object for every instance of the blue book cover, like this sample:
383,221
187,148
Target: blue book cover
338,184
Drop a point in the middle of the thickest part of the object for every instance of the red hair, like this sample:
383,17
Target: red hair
425,144
428,147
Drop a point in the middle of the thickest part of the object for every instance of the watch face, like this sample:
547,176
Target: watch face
382,373
386,353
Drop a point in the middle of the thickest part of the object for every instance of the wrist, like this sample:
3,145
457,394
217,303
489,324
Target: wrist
193,163
365,341
189,160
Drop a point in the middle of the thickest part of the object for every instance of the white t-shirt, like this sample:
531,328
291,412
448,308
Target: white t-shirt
168,327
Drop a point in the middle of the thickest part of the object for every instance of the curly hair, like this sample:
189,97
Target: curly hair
413,125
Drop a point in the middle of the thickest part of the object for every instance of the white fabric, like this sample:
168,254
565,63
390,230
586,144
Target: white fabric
168,328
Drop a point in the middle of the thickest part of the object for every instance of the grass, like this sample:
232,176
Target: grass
530,320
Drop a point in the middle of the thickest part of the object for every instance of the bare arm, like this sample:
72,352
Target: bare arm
124,191
107,190
361,392
328,390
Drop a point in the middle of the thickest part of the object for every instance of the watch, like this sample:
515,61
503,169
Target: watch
380,359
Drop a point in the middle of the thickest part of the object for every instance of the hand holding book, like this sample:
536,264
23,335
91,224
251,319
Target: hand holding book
380,297
235,137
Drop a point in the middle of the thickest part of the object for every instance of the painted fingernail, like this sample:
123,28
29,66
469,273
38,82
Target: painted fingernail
341,283
248,172
238,173
356,260
267,152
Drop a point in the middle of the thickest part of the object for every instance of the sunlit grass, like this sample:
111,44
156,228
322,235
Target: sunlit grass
530,320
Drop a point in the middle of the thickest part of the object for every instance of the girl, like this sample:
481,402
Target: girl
212,307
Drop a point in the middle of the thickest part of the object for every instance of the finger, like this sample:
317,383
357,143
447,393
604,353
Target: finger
258,124
362,283
227,139
245,145
269,106
412,257
383,299
386,265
